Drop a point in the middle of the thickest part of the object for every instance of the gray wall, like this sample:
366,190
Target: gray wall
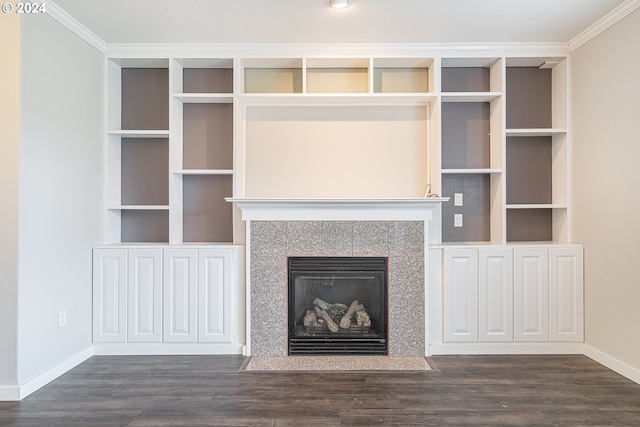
605,177
61,192
9,193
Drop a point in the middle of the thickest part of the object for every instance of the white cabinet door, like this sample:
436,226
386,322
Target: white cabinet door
145,295
180,295
109,295
566,300
495,294
460,295
215,279
531,294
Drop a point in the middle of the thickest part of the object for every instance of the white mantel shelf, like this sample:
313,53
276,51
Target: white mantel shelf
357,209
337,209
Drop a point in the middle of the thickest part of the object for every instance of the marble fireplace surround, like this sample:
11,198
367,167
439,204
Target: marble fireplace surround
400,229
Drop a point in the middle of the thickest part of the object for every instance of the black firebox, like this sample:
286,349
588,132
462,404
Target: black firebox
337,306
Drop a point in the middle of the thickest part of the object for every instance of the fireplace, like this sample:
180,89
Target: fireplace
398,230
337,305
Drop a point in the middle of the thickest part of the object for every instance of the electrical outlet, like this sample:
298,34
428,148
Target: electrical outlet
457,220
62,318
457,199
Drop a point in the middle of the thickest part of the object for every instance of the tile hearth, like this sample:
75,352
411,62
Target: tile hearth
337,363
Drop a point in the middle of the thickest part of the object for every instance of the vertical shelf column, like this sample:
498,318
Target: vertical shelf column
203,168
472,148
537,148
137,150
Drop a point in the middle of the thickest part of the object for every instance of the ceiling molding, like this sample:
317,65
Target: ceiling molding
284,50
60,15
603,23
255,49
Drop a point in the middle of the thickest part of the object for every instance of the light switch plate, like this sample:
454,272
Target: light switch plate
62,318
457,199
457,220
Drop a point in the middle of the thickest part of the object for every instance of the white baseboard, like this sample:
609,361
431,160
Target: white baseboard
14,393
162,349
614,364
506,348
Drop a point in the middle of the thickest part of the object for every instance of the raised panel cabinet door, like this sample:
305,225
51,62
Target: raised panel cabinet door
109,295
566,294
180,295
531,294
145,295
460,295
215,278
495,294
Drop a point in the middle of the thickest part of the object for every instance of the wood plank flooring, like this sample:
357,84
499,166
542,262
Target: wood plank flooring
210,391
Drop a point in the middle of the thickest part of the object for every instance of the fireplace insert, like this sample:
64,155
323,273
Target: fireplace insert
337,306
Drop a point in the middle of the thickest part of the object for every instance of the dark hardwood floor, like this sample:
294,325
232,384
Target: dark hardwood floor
209,390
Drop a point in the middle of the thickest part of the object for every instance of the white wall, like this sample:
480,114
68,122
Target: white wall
605,104
336,151
61,192
9,172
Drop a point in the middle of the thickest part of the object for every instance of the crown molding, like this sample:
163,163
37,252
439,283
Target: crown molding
60,15
126,50
284,50
603,23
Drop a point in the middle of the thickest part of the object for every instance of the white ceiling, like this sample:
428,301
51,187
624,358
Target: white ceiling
312,21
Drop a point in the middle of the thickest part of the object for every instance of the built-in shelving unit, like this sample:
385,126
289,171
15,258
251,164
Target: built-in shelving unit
497,132
185,133
504,147
170,150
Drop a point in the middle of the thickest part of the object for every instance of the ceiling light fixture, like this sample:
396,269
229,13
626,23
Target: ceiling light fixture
339,4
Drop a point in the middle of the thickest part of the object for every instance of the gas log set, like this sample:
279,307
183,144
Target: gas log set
336,317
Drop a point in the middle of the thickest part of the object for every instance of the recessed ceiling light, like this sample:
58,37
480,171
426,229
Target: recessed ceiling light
339,4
